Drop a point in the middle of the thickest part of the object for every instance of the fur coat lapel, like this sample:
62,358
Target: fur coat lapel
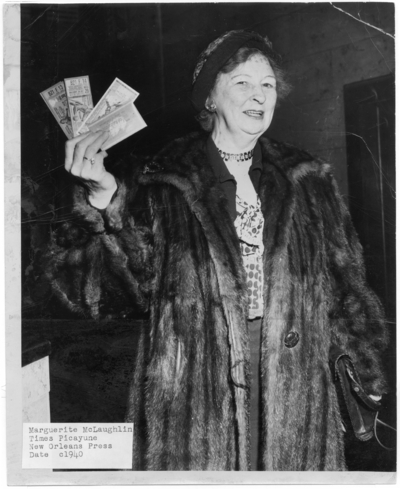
188,170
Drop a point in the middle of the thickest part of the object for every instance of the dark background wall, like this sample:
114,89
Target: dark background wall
153,48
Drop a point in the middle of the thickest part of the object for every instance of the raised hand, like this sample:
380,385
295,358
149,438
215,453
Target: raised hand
85,160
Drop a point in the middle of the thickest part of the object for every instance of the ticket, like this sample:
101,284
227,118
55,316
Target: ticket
121,123
80,102
56,100
117,95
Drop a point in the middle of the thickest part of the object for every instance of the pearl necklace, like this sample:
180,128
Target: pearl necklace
247,155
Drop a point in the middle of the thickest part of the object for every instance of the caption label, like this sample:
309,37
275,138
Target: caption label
77,445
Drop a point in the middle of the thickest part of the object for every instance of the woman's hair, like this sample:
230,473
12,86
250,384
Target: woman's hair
206,117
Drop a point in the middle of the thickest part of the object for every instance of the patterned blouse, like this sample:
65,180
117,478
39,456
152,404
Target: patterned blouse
249,225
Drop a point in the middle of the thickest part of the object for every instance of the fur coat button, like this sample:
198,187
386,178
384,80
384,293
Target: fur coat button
291,339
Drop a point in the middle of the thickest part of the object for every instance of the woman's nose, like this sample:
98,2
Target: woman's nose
259,94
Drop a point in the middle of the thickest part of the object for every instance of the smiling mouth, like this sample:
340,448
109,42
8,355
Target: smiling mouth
256,114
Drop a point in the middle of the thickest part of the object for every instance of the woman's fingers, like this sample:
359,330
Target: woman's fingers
85,161
93,168
375,398
70,150
93,146
85,150
82,149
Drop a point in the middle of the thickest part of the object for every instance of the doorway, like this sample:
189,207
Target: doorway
370,138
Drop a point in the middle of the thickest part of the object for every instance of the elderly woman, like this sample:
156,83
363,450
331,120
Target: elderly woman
244,254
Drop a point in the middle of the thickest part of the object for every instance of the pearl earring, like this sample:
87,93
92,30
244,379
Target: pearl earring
212,107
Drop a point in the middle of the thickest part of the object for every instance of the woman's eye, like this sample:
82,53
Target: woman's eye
242,82
268,85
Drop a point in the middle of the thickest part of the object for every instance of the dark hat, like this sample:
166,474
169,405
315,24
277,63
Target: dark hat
214,57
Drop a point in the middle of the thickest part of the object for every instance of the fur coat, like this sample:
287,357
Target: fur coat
167,244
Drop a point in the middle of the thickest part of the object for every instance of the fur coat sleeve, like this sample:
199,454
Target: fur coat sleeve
356,313
99,263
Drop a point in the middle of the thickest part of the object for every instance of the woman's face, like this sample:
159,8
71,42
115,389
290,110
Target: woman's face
245,98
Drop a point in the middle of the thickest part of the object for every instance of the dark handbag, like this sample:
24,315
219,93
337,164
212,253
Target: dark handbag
363,411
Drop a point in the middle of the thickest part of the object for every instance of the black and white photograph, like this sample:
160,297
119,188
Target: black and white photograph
200,243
